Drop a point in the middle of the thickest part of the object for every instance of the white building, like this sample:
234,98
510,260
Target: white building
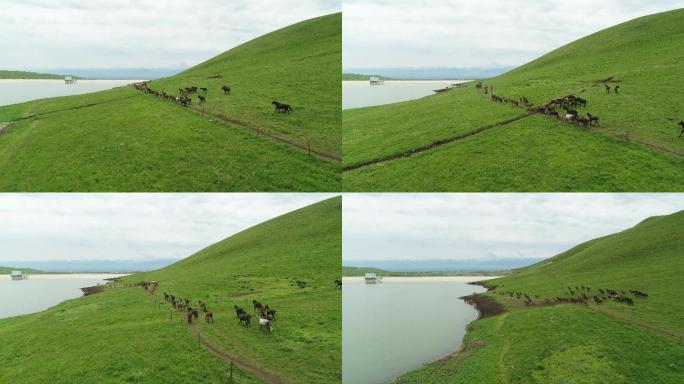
19,275
69,80
371,278
376,80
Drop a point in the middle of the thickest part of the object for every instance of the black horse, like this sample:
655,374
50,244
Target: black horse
338,283
226,90
270,313
239,311
257,305
204,90
681,124
593,120
245,319
280,107
202,99
617,89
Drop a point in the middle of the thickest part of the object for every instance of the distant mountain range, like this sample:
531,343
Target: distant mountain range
431,73
117,73
444,265
92,265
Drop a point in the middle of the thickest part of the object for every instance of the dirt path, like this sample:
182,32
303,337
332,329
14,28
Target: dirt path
433,145
626,319
231,358
27,117
263,132
224,354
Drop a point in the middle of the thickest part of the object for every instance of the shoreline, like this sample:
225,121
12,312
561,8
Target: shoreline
422,279
69,276
460,81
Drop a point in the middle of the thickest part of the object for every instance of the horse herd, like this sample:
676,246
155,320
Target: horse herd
580,295
266,314
185,100
567,105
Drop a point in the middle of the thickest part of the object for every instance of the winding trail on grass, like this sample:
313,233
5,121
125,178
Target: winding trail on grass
261,131
27,117
223,353
434,144
228,357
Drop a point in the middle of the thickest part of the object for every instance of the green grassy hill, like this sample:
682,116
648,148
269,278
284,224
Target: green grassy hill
126,140
461,140
573,343
128,334
8,270
28,75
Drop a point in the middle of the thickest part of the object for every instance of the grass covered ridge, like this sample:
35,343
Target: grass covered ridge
558,343
129,336
539,154
28,75
123,140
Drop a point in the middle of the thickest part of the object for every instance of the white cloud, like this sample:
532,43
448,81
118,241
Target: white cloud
487,226
130,226
131,33
474,33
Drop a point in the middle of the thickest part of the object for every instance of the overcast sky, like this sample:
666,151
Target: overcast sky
138,33
487,226
475,33
130,226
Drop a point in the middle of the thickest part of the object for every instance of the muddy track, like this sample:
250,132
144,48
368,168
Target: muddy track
636,323
231,358
28,117
224,354
486,306
433,145
266,132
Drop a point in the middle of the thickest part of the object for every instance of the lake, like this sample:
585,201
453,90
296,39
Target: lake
400,324
19,91
357,94
41,292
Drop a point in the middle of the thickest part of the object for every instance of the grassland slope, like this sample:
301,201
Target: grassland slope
608,342
129,334
125,140
298,65
638,125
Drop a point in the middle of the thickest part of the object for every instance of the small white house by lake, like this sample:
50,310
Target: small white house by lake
371,278
19,275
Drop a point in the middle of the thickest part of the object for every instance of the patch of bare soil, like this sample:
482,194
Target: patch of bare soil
486,306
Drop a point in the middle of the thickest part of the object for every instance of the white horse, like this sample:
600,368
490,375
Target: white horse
265,324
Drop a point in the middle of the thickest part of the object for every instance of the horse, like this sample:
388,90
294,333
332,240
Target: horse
265,324
280,107
204,90
201,99
681,124
226,90
617,88
270,313
208,317
338,283
571,118
245,318
257,305
239,311
583,121
607,88
593,120
554,114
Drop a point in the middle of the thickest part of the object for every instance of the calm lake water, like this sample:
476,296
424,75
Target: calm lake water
19,91
39,293
357,94
391,328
